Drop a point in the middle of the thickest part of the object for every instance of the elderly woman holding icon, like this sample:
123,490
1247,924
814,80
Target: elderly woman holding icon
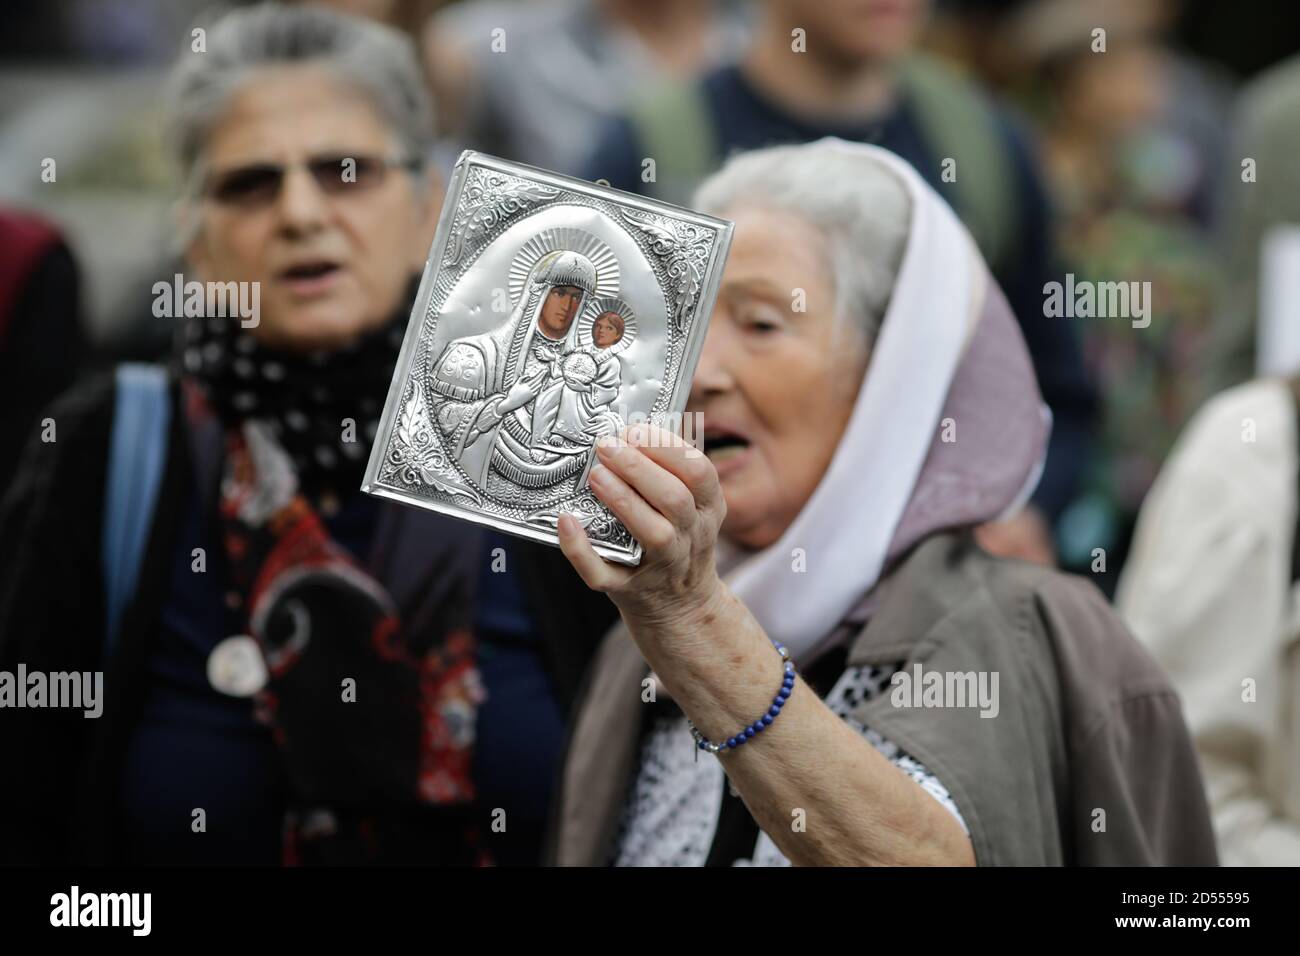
816,663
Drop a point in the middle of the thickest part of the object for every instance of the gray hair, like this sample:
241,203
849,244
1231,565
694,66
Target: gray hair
375,60
858,204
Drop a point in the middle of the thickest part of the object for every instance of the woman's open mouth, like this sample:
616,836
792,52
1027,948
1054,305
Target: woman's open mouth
311,277
726,449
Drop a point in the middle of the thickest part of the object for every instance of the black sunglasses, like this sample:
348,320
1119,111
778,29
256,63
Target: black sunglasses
259,184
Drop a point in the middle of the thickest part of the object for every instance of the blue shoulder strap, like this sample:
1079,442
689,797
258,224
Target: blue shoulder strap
137,454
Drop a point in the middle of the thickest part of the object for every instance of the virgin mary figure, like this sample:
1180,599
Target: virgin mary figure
483,380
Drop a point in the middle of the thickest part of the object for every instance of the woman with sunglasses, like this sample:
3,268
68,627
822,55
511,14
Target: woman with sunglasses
287,664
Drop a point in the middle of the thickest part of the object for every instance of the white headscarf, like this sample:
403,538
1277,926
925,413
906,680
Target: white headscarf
948,347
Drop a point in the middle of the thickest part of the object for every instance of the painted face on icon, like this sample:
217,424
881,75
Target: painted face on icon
607,329
558,310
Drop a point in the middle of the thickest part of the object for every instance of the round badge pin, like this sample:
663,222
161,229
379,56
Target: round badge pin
236,667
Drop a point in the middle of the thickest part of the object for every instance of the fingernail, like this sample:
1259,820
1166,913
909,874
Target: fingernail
598,474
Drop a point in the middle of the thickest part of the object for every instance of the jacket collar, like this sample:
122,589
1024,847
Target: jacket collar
601,758
904,610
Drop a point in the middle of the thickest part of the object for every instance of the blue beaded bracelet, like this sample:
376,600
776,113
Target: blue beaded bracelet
758,726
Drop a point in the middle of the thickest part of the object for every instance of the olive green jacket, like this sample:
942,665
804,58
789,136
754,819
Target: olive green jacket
1087,761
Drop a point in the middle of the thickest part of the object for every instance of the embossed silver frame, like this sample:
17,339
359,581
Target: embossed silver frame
492,210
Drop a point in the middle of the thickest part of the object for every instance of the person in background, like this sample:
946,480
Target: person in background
410,17
536,82
1129,175
1211,589
1261,205
827,527
42,337
1211,583
1166,137
849,70
285,654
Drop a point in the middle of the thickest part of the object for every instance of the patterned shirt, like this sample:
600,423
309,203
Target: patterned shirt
673,810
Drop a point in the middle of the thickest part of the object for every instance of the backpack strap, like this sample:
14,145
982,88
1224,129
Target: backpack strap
672,124
137,455
958,121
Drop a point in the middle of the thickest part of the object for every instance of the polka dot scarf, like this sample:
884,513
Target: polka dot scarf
322,407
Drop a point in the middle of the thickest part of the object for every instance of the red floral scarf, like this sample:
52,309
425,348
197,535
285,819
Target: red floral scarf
375,725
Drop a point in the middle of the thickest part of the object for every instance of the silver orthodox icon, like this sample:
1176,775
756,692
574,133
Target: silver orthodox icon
552,312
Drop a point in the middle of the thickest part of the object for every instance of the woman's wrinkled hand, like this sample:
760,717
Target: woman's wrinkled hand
667,494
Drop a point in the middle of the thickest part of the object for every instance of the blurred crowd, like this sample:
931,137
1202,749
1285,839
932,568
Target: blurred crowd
1149,143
